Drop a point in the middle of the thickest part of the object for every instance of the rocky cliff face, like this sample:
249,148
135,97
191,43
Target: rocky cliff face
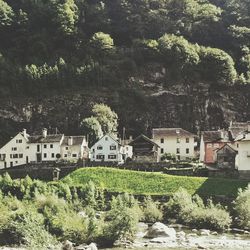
139,108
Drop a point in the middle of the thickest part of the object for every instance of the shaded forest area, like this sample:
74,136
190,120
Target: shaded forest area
155,62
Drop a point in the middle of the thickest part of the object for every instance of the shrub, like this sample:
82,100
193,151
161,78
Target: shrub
151,212
67,225
26,227
242,207
122,219
192,211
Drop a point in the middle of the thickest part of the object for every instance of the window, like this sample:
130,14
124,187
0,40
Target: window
38,148
2,157
106,138
100,157
52,155
178,140
45,155
209,145
15,156
66,148
187,150
177,151
20,156
237,145
11,156
113,147
187,140
112,157
216,145
65,155
51,145
19,141
99,147
162,150
162,140
45,146
27,147
74,155
14,149
178,157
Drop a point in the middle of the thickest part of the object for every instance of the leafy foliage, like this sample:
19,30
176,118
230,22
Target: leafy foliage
191,211
242,207
135,182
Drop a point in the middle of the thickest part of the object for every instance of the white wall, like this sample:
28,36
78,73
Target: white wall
170,146
102,147
72,152
15,152
242,161
202,150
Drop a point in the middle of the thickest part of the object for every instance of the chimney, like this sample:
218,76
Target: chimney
130,138
248,126
70,141
44,133
25,133
85,142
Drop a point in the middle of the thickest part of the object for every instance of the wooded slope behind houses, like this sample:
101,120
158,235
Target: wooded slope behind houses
166,63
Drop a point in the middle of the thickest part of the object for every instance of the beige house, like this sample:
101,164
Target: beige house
242,161
175,141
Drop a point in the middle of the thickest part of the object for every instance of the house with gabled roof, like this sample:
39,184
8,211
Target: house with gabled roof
225,157
211,141
145,149
109,149
242,161
24,149
175,141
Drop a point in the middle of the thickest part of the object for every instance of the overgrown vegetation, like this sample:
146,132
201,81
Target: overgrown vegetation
41,215
136,182
105,42
190,210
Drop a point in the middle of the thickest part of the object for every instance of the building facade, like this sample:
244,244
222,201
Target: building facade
175,141
242,161
145,150
25,149
108,149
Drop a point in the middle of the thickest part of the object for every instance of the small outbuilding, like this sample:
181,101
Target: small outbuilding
145,150
225,157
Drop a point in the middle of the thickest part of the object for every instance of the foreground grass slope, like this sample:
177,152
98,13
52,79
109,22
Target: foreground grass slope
134,182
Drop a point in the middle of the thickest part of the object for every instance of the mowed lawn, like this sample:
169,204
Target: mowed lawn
136,182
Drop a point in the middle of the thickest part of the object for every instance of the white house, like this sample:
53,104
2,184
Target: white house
242,161
15,152
25,148
175,141
74,148
108,149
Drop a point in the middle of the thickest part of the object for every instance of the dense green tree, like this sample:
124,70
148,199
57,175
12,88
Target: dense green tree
107,118
217,66
6,14
66,16
92,128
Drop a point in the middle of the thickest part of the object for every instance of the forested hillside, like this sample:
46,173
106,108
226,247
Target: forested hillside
155,62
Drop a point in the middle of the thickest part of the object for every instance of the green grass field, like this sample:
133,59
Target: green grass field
135,182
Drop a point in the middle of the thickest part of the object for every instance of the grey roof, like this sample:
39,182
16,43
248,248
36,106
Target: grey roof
77,140
170,132
47,139
211,136
238,128
145,138
228,146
